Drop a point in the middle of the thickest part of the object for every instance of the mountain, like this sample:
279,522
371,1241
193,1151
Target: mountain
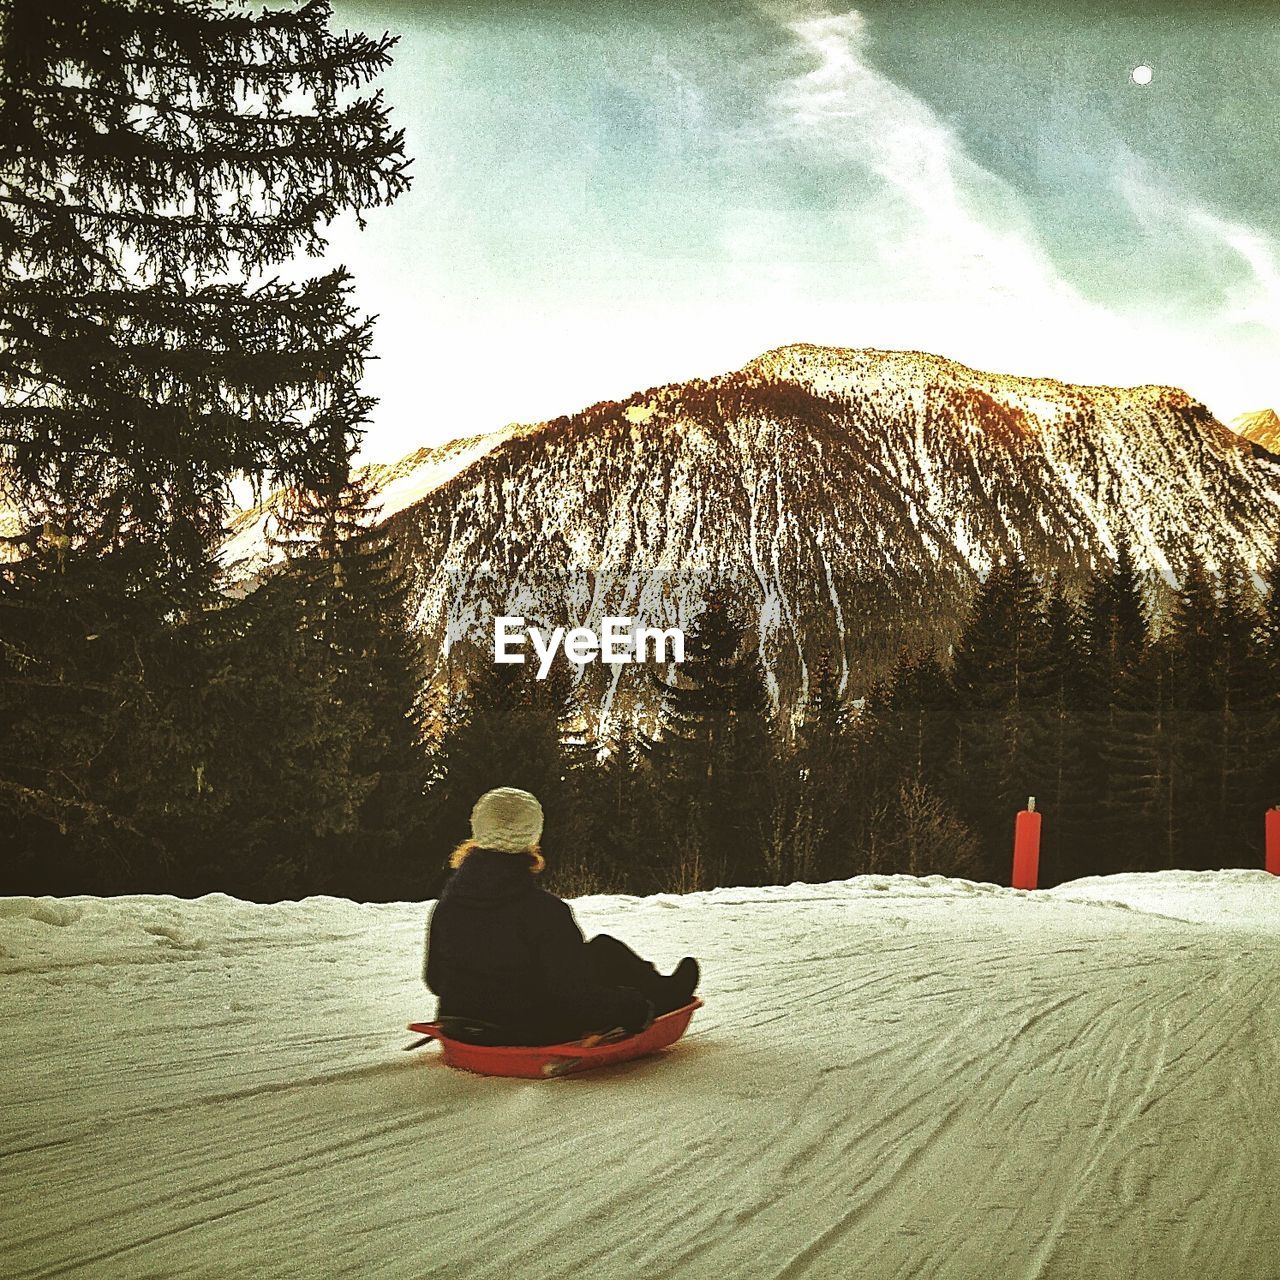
849,498
1262,427
248,548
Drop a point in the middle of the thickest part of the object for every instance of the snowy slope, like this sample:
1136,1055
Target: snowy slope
892,1077
1262,427
248,550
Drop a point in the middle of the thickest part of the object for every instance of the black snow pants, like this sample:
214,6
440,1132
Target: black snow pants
614,964
610,963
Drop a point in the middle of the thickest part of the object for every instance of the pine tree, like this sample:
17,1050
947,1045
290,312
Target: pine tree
1180,752
155,161
915,715
905,738
1057,746
1267,674
1221,728
280,799
356,611
1134,825
716,755
818,815
622,849
1195,654
1244,726
997,676
1116,634
92,752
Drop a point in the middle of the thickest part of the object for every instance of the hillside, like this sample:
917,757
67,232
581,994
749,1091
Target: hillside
891,1077
849,498
248,551
1261,428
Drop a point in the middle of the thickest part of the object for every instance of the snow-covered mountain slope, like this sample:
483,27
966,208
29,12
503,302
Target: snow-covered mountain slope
248,549
891,1077
1262,427
848,497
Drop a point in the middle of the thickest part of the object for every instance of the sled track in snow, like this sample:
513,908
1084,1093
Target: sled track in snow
890,1079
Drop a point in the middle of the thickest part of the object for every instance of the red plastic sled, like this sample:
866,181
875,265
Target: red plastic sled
541,1061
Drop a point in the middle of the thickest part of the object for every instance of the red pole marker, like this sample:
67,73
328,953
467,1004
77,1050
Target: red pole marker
1026,847
1273,841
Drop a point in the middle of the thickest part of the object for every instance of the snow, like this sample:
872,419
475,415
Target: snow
442,465
639,414
246,551
891,1077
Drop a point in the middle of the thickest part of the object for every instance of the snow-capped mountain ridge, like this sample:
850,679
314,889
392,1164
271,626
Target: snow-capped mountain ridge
808,362
849,498
397,485
1262,428
873,371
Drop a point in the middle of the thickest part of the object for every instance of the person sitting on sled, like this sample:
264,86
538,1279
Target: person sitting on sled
506,958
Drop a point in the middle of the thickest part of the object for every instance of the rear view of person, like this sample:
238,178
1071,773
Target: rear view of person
506,958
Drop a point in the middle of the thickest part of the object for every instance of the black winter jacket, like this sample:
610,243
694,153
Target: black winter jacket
503,950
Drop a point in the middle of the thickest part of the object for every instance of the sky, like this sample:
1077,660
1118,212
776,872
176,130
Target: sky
612,196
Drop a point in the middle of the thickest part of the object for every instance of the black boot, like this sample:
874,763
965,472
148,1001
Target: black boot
683,982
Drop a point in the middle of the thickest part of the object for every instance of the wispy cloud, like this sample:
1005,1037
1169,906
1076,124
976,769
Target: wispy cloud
945,225
1230,285
1255,298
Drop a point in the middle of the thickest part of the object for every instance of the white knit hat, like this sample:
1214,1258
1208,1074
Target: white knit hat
508,819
